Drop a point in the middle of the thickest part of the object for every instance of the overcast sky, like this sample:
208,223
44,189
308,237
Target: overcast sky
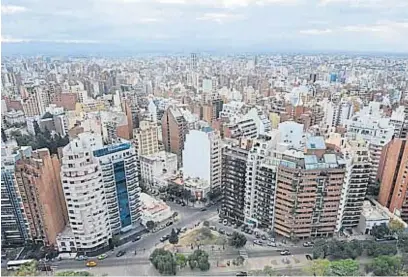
348,25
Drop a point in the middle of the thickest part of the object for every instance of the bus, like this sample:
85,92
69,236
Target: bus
15,265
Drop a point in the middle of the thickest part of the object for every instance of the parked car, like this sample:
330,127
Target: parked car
250,231
258,236
213,228
242,273
272,239
271,244
221,231
183,230
308,244
258,242
225,222
229,234
220,220
136,238
91,264
233,222
263,237
102,256
178,201
169,223
120,253
183,204
203,209
164,238
309,257
81,258
285,252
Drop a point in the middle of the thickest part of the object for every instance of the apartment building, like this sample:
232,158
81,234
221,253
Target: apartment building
234,162
37,176
308,191
357,160
393,175
146,138
202,156
174,130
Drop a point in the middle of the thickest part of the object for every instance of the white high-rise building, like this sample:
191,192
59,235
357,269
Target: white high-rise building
337,114
101,190
202,156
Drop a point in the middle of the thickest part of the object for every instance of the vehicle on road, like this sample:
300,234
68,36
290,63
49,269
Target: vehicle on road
225,222
242,273
102,256
81,258
136,238
220,220
309,257
91,264
221,231
169,223
285,253
308,244
183,230
250,231
272,239
271,244
164,238
178,201
203,209
258,242
120,253
263,237
229,234
213,228
183,204
258,236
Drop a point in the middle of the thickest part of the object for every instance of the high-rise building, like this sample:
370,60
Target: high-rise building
193,62
202,156
14,230
146,138
357,175
308,191
392,175
101,189
234,163
38,181
174,129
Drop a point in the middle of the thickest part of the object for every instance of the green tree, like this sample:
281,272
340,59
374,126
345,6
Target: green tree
346,267
37,129
173,239
237,240
375,249
29,269
199,259
73,273
164,261
386,266
380,231
206,223
150,225
396,226
181,260
319,267
269,271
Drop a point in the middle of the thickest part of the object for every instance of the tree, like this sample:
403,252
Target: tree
150,225
181,260
380,231
199,259
396,226
173,239
29,269
386,266
346,267
73,273
164,261
37,129
115,240
3,135
206,223
269,271
237,240
319,267
375,249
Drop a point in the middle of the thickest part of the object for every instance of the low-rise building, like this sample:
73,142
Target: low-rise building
371,215
155,210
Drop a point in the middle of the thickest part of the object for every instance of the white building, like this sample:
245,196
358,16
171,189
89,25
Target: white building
337,114
82,182
291,133
156,165
14,117
262,122
154,210
371,216
202,156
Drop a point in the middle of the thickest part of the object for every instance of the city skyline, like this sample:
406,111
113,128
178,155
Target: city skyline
131,26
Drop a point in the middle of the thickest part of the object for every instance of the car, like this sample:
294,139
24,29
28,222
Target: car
164,238
242,273
229,234
213,228
285,252
258,242
272,239
136,238
120,253
102,256
81,258
271,244
250,231
309,257
221,231
225,222
183,204
183,230
263,237
91,264
178,201
169,223
258,236
220,220
308,244
203,209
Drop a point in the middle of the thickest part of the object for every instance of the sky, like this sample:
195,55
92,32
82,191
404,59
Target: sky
204,25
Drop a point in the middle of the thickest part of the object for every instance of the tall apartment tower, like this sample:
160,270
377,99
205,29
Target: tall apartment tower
234,163
14,226
193,62
38,181
146,138
202,156
393,174
101,189
357,160
308,191
174,129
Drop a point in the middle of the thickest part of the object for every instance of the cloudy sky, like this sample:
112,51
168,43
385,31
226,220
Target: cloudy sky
332,25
